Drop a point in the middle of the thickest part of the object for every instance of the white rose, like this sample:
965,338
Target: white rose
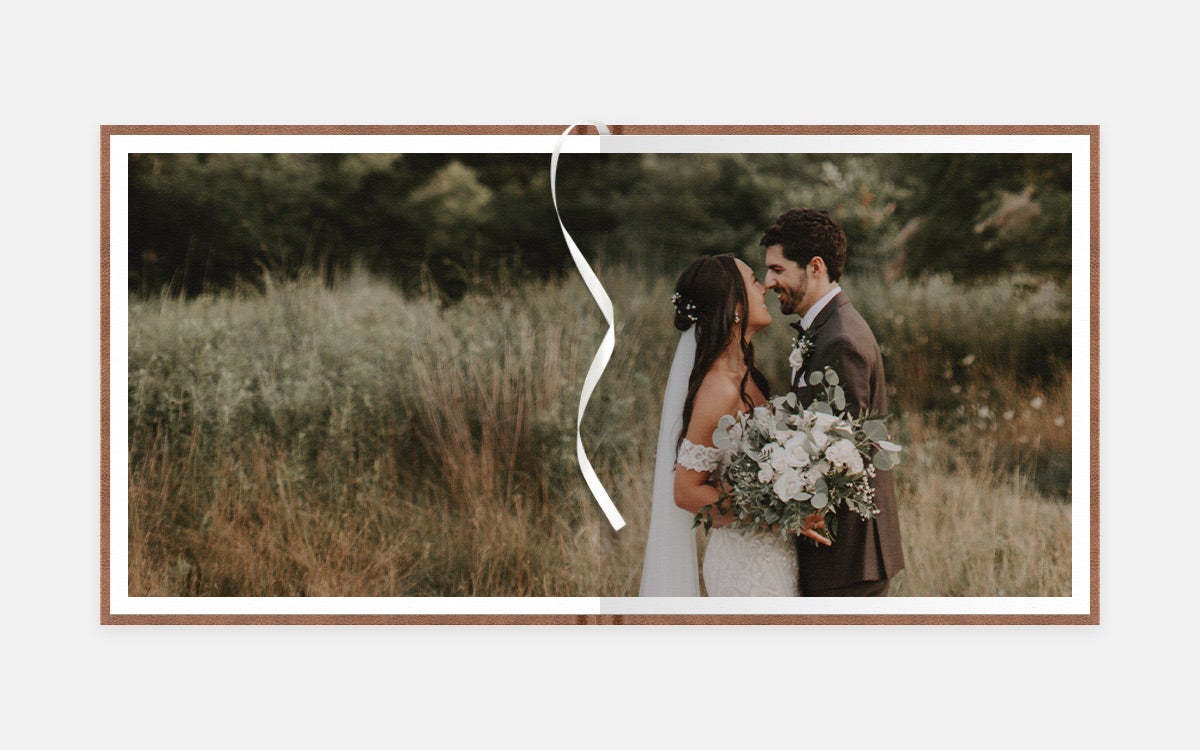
843,453
817,442
809,479
779,460
823,422
796,451
796,358
855,464
766,473
788,485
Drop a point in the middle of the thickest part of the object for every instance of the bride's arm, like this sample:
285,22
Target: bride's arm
696,489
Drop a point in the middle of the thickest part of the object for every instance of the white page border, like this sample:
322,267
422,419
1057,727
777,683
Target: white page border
1079,145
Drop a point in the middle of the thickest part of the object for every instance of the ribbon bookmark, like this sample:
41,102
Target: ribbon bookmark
603,354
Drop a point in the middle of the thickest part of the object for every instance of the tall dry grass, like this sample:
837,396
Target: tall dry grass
353,441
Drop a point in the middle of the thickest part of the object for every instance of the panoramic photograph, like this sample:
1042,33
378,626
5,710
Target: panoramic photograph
358,375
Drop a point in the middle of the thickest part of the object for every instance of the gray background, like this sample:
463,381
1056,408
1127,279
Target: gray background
70,71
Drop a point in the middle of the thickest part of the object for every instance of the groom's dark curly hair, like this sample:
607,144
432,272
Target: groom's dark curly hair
807,233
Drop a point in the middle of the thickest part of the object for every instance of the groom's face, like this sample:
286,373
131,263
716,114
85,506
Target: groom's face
787,279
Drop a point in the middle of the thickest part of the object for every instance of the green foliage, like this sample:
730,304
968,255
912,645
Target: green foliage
885,460
439,222
448,224
980,215
873,429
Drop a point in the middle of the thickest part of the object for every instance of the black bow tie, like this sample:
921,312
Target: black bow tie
798,326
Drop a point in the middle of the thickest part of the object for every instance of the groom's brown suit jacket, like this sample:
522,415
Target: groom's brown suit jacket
864,550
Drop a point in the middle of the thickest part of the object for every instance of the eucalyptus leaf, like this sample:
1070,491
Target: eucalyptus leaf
790,398
820,406
721,438
831,377
839,398
888,446
726,421
815,378
874,429
884,461
820,500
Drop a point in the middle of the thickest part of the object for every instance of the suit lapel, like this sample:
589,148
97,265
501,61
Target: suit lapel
800,384
826,313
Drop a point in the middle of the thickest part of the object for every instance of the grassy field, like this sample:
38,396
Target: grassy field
352,441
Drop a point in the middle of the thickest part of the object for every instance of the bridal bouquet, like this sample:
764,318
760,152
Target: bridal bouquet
793,469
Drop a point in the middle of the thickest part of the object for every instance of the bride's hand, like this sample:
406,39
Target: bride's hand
722,520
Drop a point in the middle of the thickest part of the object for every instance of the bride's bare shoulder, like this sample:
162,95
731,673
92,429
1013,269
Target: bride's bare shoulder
716,397
719,388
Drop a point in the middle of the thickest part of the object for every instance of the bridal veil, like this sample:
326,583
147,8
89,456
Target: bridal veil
670,567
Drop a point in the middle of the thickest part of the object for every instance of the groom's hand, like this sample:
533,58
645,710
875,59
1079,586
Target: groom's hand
814,524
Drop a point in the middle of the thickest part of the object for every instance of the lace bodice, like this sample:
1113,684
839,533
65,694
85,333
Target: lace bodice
698,457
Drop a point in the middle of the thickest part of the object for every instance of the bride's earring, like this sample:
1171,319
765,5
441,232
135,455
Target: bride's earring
737,318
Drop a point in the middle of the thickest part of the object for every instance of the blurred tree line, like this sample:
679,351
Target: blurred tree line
446,223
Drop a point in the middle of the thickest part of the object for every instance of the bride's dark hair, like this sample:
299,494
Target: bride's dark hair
708,295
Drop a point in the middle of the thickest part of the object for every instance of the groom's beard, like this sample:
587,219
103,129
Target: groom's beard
789,299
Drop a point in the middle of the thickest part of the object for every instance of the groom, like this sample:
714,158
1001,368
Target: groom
806,251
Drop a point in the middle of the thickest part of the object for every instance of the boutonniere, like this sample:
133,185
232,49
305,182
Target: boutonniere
802,346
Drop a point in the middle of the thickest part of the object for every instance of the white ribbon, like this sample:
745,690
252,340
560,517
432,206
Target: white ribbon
600,361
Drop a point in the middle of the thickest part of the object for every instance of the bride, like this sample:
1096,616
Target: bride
719,306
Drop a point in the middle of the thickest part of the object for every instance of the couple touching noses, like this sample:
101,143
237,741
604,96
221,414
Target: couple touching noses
719,306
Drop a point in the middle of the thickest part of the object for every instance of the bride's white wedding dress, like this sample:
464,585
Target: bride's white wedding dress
750,562
742,561
737,562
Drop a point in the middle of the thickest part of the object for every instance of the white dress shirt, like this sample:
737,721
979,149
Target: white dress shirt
807,321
